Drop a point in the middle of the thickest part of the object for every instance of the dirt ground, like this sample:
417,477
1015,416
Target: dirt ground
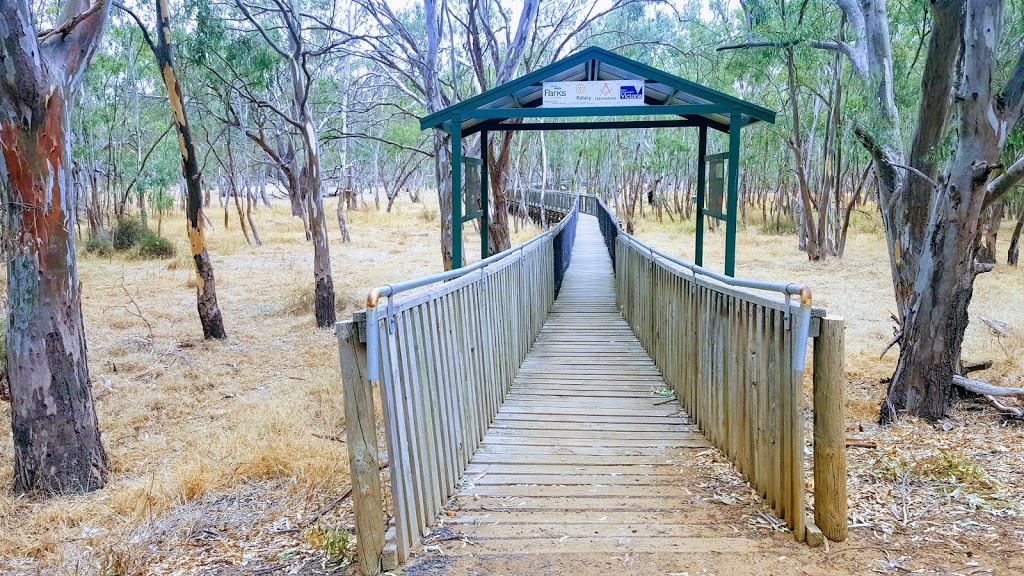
223,452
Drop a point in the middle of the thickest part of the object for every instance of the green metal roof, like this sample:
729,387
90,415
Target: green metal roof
665,94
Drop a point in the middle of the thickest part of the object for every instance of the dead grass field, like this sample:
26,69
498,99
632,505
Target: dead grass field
221,452
944,498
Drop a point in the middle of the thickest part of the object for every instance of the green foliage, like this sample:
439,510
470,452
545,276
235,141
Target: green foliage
127,233
100,246
131,236
783,226
335,542
153,245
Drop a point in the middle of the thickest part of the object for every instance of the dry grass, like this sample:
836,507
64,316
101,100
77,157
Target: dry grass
217,449
221,451
944,498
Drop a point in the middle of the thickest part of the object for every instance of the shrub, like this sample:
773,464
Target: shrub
153,245
128,233
784,226
101,246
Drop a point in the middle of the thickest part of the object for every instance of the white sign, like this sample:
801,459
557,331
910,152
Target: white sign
599,93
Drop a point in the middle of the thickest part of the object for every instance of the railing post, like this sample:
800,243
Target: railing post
830,429
361,436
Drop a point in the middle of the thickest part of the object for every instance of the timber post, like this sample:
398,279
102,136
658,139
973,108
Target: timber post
361,436
830,507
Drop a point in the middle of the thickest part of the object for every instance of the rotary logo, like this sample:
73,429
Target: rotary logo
580,88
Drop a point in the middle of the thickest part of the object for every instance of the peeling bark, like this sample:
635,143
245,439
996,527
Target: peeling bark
936,314
206,288
57,443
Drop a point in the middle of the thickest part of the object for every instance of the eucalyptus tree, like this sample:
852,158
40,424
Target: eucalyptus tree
210,317
935,187
57,445
299,39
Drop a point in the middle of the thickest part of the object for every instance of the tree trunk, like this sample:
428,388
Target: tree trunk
809,240
992,220
57,444
206,286
935,319
500,180
1013,253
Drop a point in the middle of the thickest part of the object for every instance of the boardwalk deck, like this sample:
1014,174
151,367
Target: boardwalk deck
586,464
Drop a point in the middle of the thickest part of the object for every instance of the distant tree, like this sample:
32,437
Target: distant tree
305,175
57,446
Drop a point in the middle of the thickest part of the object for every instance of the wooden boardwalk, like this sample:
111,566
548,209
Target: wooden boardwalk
587,462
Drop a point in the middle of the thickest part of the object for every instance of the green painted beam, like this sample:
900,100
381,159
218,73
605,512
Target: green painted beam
473,216
456,194
485,173
733,194
702,171
675,110
497,125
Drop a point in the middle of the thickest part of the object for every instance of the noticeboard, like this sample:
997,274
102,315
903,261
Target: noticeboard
715,204
471,186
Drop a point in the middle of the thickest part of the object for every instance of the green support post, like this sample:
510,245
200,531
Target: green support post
702,170
484,174
735,123
456,193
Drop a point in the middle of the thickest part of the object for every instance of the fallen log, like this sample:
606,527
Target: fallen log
977,366
984,388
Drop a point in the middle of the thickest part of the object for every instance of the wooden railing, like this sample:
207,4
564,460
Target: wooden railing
734,357
444,358
562,201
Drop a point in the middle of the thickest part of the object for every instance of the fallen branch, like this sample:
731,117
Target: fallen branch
333,437
977,366
855,443
337,500
999,328
895,340
1005,409
984,388
329,507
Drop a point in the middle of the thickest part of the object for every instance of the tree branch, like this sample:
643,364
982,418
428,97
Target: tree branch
1003,183
142,27
263,32
69,25
917,173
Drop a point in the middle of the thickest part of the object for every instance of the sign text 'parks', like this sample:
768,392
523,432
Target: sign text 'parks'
599,93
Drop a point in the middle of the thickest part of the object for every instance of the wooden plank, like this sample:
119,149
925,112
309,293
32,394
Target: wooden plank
590,450
477,503
361,436
616,547
830,430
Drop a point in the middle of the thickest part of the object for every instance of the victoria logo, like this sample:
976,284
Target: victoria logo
631,92
554,90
